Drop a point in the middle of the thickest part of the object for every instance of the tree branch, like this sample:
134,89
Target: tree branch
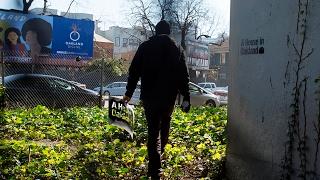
72,1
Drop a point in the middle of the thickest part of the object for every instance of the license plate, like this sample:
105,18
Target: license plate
223,98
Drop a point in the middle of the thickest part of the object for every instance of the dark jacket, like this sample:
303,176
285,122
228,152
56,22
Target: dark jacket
161,65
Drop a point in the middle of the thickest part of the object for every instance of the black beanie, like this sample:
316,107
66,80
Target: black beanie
163,27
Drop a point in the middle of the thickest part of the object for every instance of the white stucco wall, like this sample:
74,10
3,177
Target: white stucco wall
261,86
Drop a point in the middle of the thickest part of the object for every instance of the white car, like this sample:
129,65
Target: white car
222,93
208,85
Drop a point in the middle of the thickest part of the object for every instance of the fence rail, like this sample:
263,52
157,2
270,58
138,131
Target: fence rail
56,80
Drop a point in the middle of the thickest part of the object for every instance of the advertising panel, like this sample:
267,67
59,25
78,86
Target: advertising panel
25,36
72,37
198,56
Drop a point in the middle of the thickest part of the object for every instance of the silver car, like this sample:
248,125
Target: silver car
208,85
201,97
113,89
222,93
118,89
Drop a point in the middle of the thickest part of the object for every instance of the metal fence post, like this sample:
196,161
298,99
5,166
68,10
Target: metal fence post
2,68
101,83
2,90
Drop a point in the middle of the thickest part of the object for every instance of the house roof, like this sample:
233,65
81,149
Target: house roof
99,38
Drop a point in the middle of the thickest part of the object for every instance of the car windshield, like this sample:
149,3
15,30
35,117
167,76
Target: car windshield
201,84
194,87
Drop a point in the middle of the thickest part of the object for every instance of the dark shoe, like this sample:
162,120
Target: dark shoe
155,178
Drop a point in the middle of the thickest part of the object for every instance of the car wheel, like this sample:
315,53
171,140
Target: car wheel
211,103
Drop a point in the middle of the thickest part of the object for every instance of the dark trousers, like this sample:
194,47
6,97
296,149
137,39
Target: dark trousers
158,120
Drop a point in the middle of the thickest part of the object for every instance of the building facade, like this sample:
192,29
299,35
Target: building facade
219,59
126,40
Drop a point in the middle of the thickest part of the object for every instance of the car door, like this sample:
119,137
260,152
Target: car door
117,89
65,93
41,89
113,89
122,88
196,96
29,91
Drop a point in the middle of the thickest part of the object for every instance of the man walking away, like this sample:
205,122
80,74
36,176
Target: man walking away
161,66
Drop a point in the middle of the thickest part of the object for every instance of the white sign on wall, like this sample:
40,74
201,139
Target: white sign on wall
252,46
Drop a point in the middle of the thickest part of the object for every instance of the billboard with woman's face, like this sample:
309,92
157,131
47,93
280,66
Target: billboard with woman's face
33,35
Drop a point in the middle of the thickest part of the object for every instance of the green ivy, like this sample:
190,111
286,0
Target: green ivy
79,143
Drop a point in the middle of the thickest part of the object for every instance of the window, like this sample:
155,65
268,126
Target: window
117,40
29,83
216,59
223,76
123,84
131,41
227,57
207,86
193,89
116,85
201,85
223,58
63,85
124,42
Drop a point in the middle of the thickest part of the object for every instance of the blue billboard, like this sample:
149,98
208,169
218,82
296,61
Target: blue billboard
72,37
36,35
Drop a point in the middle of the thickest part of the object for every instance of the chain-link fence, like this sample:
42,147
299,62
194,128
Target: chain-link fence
57,80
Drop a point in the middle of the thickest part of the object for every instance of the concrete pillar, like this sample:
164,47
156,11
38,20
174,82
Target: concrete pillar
275,60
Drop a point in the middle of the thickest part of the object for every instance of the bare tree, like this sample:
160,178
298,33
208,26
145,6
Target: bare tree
185,16
165,7
70,4
143,13
26,5
45,6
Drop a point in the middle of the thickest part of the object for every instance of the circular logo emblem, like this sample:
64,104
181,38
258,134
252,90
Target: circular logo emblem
74,36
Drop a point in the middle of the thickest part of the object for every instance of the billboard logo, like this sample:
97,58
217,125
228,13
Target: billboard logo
74,35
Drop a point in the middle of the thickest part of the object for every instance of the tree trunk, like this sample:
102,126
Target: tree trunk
45,7
183,38
26,6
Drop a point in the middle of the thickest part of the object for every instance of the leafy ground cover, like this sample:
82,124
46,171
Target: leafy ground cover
78,143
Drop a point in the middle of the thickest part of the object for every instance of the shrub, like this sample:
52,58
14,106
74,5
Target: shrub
41,143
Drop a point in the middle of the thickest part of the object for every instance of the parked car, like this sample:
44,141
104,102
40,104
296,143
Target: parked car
51,91
200,96
113,89
119,89
222,93
210,86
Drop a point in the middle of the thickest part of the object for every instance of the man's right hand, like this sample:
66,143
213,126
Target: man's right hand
125,99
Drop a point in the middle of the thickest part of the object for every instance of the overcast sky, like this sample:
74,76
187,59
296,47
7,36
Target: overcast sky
115,12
